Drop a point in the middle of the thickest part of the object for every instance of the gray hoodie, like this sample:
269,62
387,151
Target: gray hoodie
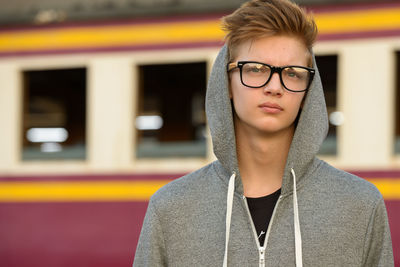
324,216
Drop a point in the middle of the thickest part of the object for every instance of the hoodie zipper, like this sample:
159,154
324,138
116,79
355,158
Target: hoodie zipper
261,249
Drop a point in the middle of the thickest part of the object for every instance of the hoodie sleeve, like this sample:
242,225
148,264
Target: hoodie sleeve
150,250
378,245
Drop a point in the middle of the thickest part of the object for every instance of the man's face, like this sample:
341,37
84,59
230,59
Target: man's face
270,109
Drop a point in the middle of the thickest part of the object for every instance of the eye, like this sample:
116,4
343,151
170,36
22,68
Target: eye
255,68
295,73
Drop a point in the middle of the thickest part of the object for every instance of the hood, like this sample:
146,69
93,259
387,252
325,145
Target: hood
310,132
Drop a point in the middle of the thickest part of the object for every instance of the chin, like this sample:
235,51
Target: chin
274,128
268,128
269,131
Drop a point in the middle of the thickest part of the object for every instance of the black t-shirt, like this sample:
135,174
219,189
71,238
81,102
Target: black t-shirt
261,210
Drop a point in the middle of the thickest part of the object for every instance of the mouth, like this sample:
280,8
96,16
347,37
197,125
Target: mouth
270,107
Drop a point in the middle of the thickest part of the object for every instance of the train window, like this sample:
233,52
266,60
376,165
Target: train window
54,115
171,119
397,127
327,66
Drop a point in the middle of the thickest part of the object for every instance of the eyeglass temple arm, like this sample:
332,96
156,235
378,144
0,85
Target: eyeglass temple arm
231,66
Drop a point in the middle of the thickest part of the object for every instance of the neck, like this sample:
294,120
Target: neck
262,159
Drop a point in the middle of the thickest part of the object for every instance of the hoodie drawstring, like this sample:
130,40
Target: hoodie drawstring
297,233
229,204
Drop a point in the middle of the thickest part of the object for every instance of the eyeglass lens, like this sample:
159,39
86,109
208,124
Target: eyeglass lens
257,75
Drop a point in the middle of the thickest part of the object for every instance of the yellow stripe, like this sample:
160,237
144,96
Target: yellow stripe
120,190
389,187
78,191
52,39
358,21
180,32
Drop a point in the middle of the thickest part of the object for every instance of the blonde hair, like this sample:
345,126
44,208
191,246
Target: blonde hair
263,18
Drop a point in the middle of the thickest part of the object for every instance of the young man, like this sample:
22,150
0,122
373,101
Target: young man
267,200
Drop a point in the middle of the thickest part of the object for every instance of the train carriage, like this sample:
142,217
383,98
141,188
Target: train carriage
95,117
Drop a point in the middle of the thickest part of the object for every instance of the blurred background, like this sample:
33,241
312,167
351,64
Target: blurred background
102,102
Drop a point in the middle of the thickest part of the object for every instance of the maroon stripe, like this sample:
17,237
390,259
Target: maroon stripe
350,7
393,208
113,49
377,173
89,234
359,35
116,22
70,234
90,177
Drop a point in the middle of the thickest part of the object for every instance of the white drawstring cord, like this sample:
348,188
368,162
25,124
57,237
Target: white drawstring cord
297,233
229,204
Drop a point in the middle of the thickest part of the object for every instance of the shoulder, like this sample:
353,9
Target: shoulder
185,189
346,184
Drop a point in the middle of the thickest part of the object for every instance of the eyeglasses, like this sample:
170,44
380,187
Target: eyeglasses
256,75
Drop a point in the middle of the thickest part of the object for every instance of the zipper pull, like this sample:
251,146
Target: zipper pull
262,256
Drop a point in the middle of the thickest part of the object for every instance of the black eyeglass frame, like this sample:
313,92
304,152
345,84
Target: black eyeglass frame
240,64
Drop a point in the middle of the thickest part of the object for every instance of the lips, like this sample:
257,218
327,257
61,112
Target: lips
270,107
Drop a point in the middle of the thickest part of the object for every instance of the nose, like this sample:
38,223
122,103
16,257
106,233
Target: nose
274,86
